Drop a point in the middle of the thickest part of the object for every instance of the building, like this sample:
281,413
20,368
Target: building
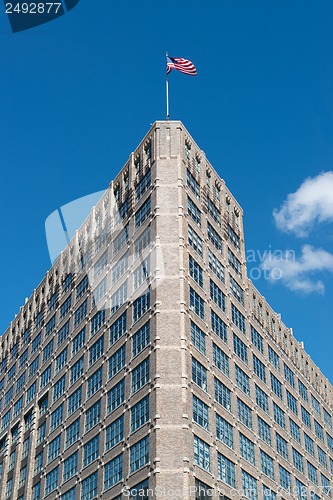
147,363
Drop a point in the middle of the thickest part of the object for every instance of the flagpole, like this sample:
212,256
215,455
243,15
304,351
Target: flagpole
167,94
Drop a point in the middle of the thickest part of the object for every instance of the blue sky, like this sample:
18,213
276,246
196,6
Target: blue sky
79,93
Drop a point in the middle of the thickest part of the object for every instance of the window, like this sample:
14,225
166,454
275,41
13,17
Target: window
63,333
197,303
116,396
80,313
309,445
36,343
220,360
51,481
113,472
67,282
242,380
26,447
306,418
141,273
214,237
140,414
312,473
273,358
259,368
238,319
20,382
45,376
36,491
194,241
70,467
82,287
99,292
319,431
193,184
47,351
195,271
326,485
119,268
100,264
143,213
193,211
65,307
233,238
303,392
329,441
257,340
295,431
56,417
142,242
201,453
31,392
72,433
222,394
215,266
9,488
279,416
5,420
226,470
315,404
77,370
298,460
267,465
301,491
59,388
236,290
91,451
276,386
262,399
219,327
78,341
140,376
93,416
240,349
282,447
41,433
264,431
284,478
217,295
141,306
200,413
120,240
94,382
96,350
12,460
139,454
234,263
54,448
34,366
117,329
246,448
198,338
114,433
143,185
327,418
18,407
140,339
244,413
292,403
249,486
97,321
322,458
199,374
38,463
117,361
224,431
89,487
289,375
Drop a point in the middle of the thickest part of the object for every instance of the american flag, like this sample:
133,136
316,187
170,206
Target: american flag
182,65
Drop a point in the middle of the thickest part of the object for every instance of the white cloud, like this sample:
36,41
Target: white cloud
311,203
298,273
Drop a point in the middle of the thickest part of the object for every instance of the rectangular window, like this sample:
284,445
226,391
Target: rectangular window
281,446
99,291
200,413
214,212
195,271
34,367
234,263
193,211
75,401
193,184
100,264
117,361
242,380
264,431
199,374
221,360
315,404
257,340
80,313
70,467
216,266
139,454
141,273
114,433
51,481
222,394
56,417
141,305
20,382
219,326
50,326
259,368
276,386
262,399
93,416
36,343
309,444
18,407
279,416
267,464
54,448
298,460
97,322
201,454
141,243
319,431
96,350
140,376
240,349
94,382
246,447
41,433
284,478
117,329
140,339
292,402
72,433
214,237
120,240
113,472
295,430
273,358
82,287
63,333
194,241
238,319
217,295
61,360
65,307
91,451
119,269
78,341
289,375
143,213
303,392
224,431
306,417
31,392
312,473
198,338
244,413
322,457
233,238
143,185
77,370
116,396
89,487
140,414
38,463
327,418
226,470
249,486
197,304
236,290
